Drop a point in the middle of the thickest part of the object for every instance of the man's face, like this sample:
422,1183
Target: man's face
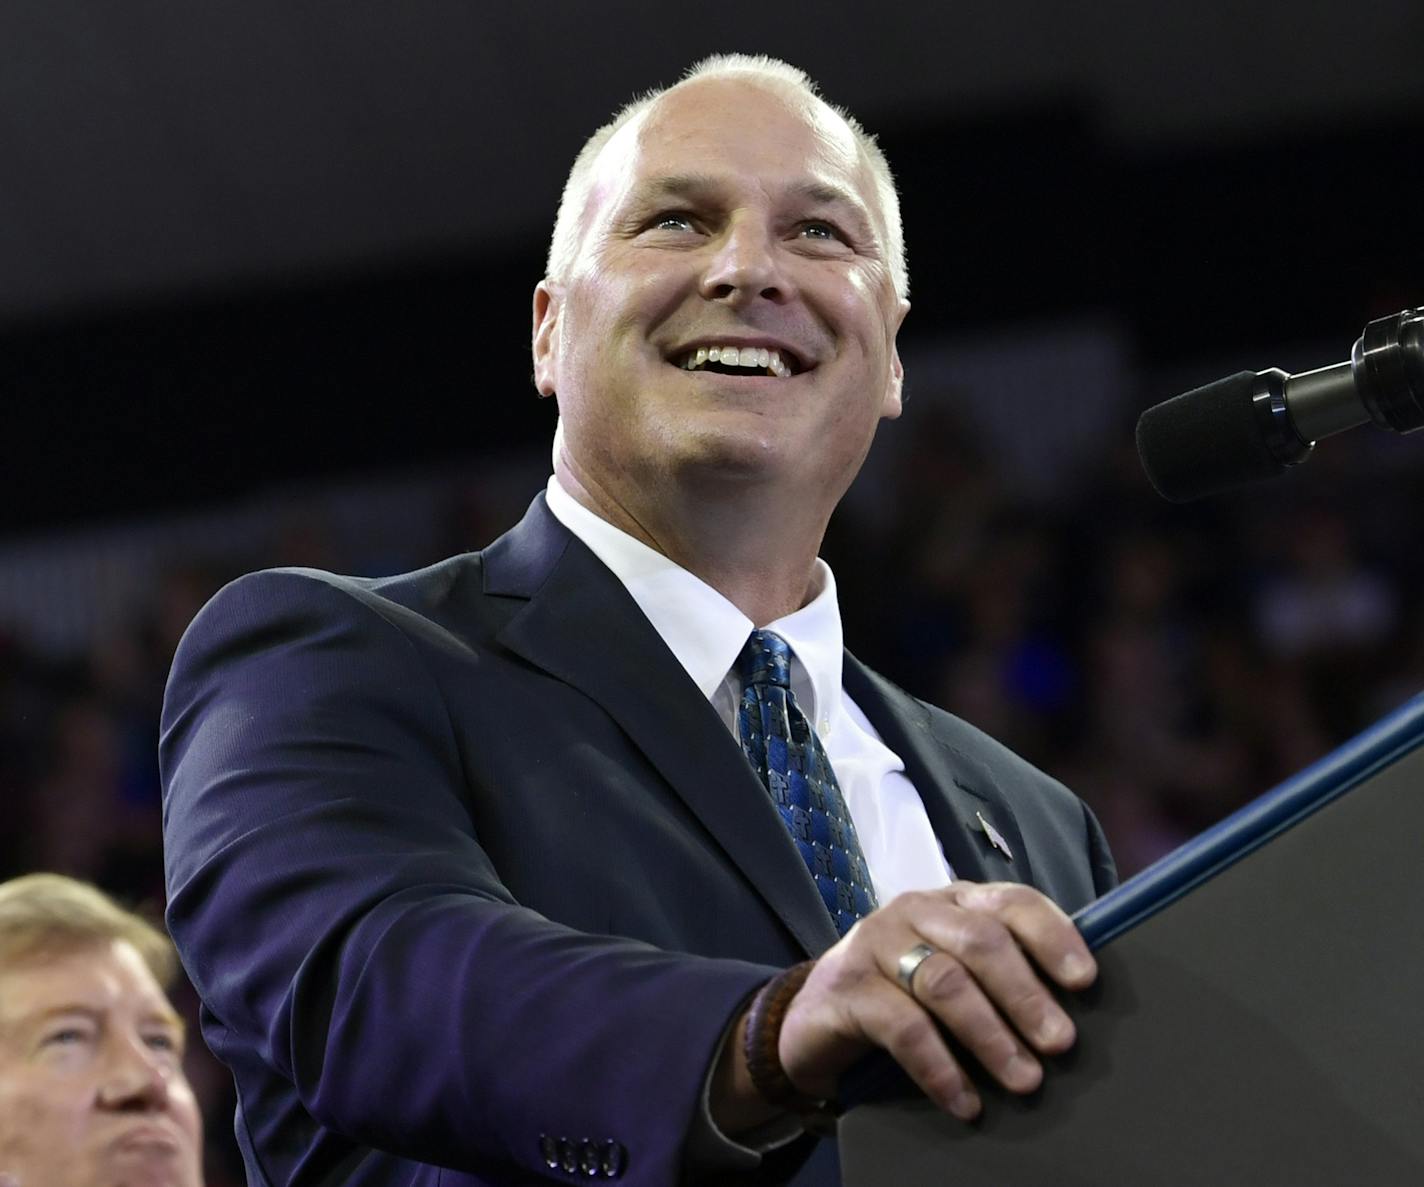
92,1091
729,215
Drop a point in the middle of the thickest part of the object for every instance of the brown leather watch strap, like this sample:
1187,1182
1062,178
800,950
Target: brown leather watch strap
763,1035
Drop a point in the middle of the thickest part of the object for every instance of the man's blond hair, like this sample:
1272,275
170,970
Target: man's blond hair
50,914
759,68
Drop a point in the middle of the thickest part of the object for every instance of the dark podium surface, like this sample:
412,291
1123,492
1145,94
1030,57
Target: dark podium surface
1259,1017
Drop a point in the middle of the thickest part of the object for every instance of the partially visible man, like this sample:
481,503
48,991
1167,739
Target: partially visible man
92,1090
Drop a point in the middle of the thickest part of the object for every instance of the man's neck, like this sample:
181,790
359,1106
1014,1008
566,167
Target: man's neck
752,548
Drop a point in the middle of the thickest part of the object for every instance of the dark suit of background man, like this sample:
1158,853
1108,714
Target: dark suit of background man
468,865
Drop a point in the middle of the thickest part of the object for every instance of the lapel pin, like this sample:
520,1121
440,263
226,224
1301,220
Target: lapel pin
996,838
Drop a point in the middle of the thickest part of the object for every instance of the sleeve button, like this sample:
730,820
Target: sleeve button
613,1156
550,1150
590,1160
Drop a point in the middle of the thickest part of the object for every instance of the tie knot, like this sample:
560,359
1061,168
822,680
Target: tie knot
766,659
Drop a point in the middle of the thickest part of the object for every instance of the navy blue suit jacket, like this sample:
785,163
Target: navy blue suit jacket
464,866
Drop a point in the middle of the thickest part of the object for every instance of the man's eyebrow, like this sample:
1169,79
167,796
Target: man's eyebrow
168,1018
824,191
42,1014
38,1017
826,194
68,1008
676,185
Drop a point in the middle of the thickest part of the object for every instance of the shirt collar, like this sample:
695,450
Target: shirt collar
704,631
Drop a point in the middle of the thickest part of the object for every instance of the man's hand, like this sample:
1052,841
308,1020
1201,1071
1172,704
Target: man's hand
980,983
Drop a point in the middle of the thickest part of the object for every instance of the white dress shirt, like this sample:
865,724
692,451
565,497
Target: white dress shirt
706,633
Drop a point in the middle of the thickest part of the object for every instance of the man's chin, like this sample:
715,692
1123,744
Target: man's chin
721,459
148,1166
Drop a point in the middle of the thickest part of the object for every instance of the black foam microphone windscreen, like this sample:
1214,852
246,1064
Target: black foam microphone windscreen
1206,440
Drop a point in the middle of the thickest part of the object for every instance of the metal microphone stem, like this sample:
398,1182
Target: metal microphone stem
1324,402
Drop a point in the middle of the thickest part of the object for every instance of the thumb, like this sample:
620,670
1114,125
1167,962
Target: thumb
8,1180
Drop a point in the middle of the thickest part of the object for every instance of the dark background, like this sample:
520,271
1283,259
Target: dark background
240,244
265,280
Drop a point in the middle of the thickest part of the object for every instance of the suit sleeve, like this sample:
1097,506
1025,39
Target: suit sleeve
1100,857
331,900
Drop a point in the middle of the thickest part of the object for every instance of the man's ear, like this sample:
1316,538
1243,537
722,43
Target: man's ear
895,388
548,301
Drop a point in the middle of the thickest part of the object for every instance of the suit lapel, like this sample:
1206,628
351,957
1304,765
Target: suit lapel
581,626
957,792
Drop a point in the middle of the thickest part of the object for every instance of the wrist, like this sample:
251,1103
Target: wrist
736,1106
761,1041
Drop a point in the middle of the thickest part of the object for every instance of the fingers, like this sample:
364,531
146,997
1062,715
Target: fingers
996,948
971,993
1039,925
909,1034
844,1009
8,1180
980,975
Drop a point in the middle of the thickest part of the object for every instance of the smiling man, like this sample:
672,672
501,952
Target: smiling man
594,853
92,1091
722,340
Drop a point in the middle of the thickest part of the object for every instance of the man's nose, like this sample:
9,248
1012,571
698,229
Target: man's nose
135,1077
746,266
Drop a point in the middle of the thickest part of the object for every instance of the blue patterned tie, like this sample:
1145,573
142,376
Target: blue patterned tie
785,752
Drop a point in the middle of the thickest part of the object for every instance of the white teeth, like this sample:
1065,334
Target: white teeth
753,357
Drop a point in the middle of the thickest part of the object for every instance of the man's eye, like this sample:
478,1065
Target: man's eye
673,220
161,1042
66,1037
819,230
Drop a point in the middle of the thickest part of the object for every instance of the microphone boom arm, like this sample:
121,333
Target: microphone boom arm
1254,425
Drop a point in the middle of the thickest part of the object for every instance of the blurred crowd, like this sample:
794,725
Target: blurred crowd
1168,663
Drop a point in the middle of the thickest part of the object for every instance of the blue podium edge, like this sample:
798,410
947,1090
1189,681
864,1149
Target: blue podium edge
1250,827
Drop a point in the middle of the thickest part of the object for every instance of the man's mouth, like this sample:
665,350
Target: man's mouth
741,360
148,1139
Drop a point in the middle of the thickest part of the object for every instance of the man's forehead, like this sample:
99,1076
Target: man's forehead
92,978
685,106
638,150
